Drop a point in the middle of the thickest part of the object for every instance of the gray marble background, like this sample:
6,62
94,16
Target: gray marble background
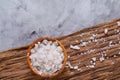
22,21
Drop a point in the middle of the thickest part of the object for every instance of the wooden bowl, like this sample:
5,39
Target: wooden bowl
29,61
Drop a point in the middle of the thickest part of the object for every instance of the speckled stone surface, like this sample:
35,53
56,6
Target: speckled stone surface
22,21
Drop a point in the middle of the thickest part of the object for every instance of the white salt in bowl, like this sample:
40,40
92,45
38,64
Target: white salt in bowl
30,62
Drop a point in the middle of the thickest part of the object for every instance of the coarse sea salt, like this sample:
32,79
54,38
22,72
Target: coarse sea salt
75,67
91,66
94,59
69,65
110,43
118,23
74,47
119,53
102,58
83,43
47,57
72,67
105,31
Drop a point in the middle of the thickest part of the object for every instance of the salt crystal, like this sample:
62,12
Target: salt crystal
36,46
69,64
75,67
110,43
94,63
105,54
32,50
91,62
95,40
93,36
94,58
75,47
45,41
79,69
89,41
118,23
91,66
39,42
83,43
102,58
105,31
119,53
81,40
114,56
68,56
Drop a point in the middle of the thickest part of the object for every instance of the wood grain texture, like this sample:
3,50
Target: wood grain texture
13,64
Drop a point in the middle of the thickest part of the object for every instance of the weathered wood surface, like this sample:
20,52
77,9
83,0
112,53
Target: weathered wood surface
13,65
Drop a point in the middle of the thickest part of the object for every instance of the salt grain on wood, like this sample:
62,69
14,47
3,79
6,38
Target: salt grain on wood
119,53
91,66
75,67
105,31
110,43
118,23
94,58
74,47
102,58
83,44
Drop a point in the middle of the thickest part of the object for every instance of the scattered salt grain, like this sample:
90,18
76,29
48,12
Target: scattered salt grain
91,66
68,56
116,31
72,67
105,31
105,54
118,23
110,43
91,62
89,41
95,40
75,67
91,51
32,50
93,36
69,64
102,58
74,47
79,69
83,44
94,58
114,56
94,63
119,53
38,43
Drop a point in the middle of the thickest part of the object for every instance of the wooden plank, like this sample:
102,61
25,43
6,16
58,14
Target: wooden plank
13,63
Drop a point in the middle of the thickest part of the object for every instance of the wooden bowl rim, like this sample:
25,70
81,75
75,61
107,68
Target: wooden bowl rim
29,52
